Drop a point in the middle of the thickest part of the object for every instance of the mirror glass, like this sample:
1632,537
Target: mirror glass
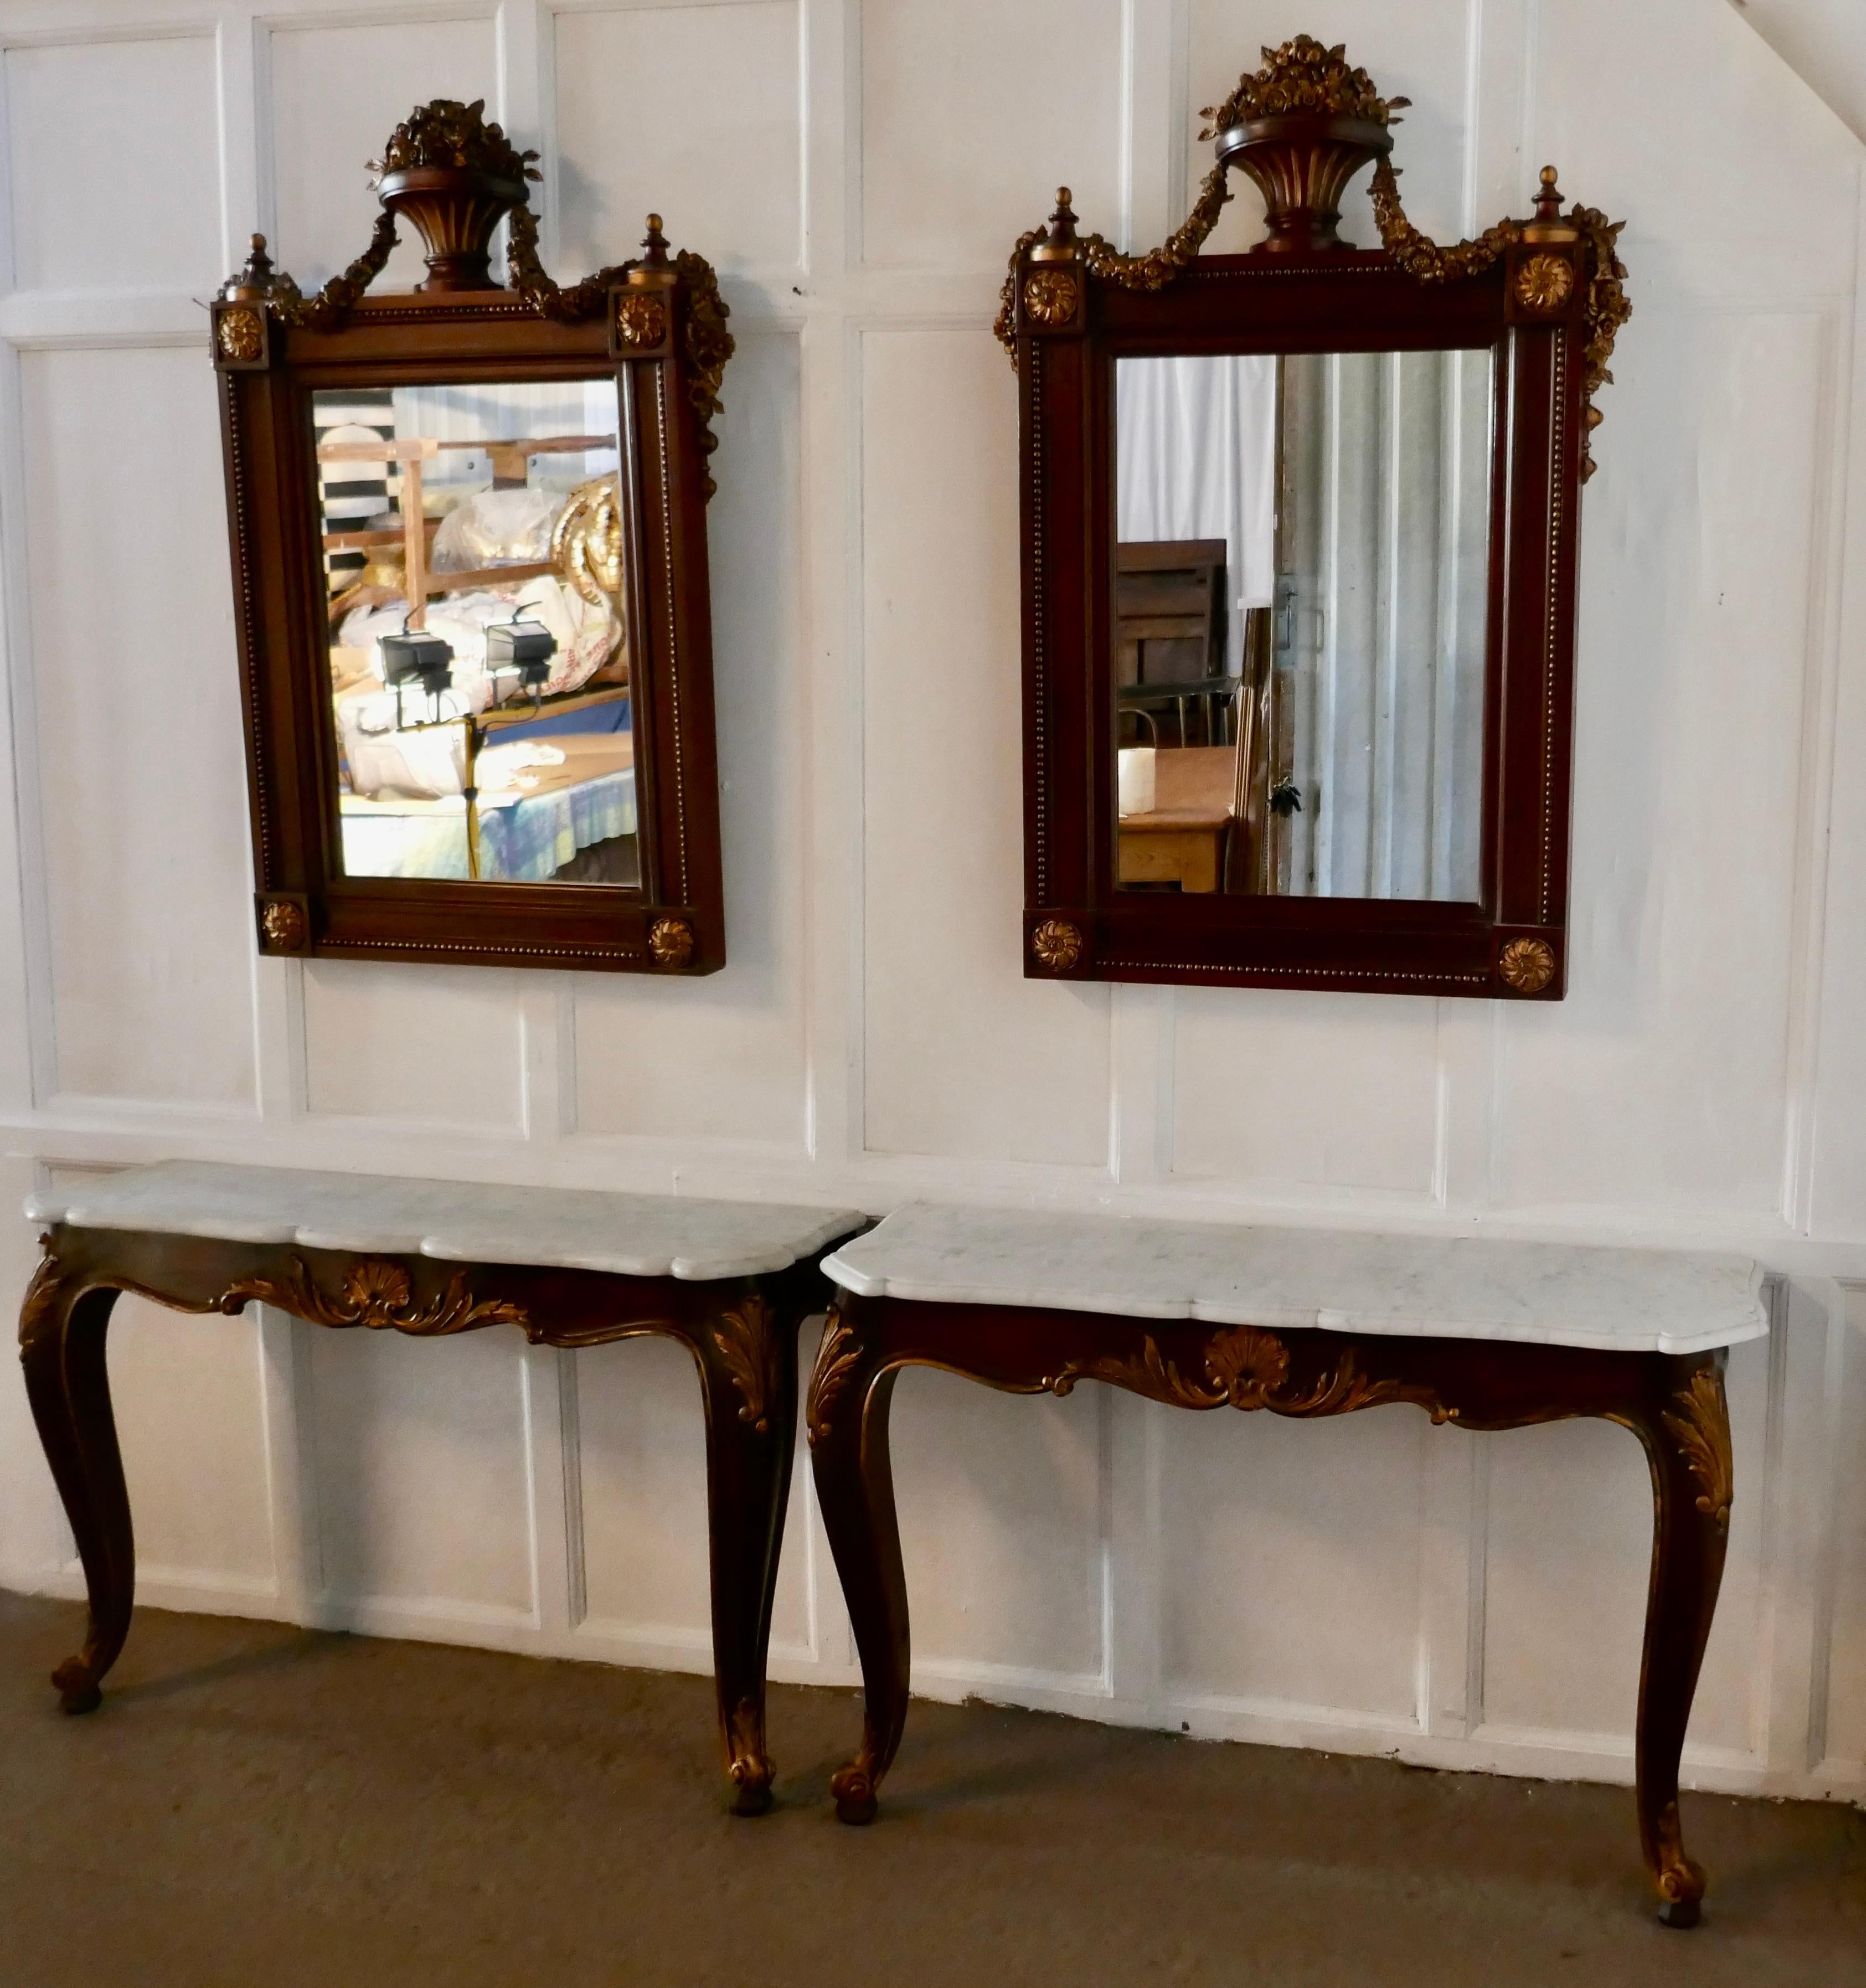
473,557
1303,583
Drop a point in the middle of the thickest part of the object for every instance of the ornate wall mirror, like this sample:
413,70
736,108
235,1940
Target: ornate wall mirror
1300,538
469,548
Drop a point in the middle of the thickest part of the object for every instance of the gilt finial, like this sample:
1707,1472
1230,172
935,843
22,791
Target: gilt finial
1058,243
255,280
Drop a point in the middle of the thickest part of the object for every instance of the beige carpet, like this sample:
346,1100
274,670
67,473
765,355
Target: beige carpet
259,1807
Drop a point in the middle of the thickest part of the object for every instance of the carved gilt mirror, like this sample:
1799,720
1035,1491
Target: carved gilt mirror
1299,533
469,548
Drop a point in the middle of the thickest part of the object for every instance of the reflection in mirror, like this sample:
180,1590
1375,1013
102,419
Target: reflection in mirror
473,558
1302,590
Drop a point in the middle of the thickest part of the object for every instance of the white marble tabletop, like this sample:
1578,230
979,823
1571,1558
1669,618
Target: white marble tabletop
1550,1293
633,1235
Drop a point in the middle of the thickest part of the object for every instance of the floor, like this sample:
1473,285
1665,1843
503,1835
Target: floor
259,1807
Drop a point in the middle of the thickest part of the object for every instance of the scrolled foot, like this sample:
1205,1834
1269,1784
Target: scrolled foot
750,1766
1681,1886
1681,1882
751,1786
853,1788
78,1690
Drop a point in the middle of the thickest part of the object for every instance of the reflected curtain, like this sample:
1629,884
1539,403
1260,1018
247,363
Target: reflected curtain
1195,457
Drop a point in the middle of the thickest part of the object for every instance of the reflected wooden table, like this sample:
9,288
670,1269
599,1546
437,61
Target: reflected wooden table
1302,1324
731,1281
1181,846
1180,840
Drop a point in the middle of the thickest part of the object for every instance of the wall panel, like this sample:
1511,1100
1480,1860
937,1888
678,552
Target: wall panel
964,1057
1568,1550
1293,1092
642,1487
1693,670
973,116
642,1499
140,772
723,1057
337,91
696,111
1001,1527
104,194
438,1043
1289,1559
421,1470
33,1536
202,1511
1842,1713
1595,61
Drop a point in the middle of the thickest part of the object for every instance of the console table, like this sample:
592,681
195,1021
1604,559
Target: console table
730,1280
1304,1323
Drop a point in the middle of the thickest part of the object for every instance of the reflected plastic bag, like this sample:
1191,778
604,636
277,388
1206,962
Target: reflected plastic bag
495,526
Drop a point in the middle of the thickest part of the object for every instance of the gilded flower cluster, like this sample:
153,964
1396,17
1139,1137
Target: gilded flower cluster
1302,76
448,134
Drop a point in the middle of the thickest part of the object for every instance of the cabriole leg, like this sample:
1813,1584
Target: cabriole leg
62,1329
748,1367
847,1416
1687,1438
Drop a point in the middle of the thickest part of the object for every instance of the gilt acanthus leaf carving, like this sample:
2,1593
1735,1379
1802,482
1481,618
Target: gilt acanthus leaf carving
1153,271
706,344
1606,308
749,1346
1304,77
1246,1367
455,136
339,296
1699,1423
41,1302
377,1295
837,1359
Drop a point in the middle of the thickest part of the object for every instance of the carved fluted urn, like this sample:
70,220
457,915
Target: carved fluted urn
1302,126
456,177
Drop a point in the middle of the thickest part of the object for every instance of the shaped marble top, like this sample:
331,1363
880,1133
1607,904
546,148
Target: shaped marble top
1550,1294
578,1228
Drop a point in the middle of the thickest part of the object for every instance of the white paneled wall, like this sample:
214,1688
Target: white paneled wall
857,170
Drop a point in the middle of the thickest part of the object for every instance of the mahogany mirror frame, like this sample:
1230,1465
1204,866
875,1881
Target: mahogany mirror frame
657,325
1545,296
